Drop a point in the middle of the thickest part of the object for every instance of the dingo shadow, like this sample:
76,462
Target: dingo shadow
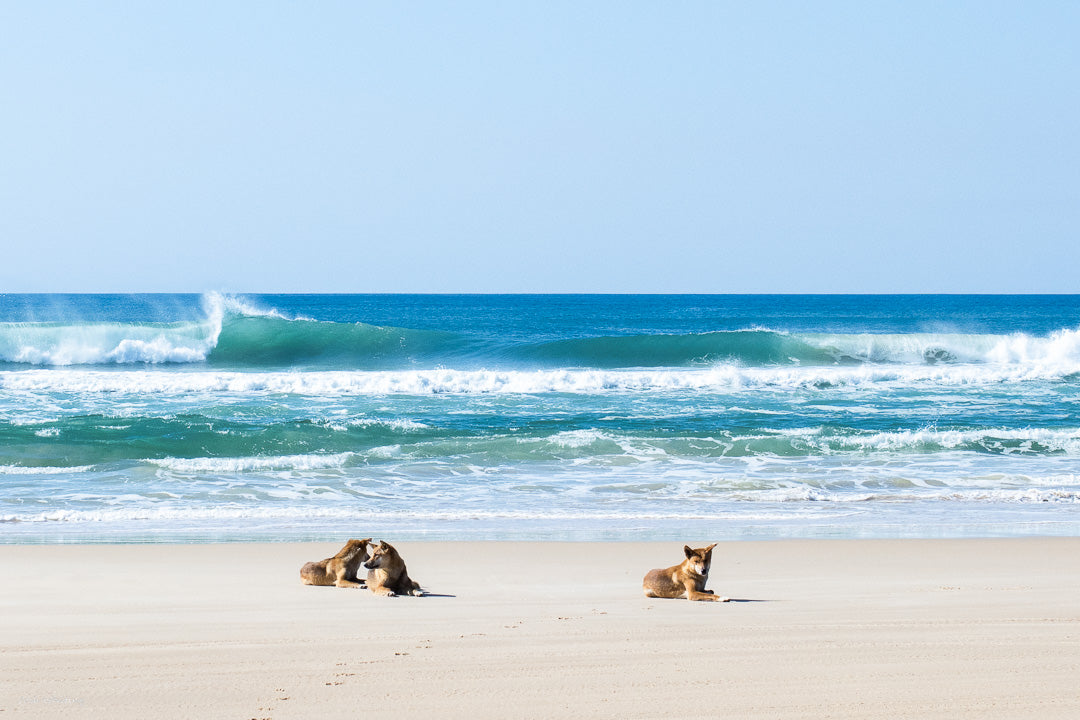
437,595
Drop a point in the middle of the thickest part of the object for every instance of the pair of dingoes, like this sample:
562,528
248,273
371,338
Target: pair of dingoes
387,574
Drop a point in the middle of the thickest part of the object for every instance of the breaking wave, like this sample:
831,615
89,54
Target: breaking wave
233,333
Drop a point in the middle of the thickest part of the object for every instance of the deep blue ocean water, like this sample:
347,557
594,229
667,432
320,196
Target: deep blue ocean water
286,417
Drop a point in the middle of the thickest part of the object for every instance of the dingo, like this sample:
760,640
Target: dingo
387,574
687,579
339,570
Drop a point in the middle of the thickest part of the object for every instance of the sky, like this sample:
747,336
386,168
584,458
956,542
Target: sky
712,147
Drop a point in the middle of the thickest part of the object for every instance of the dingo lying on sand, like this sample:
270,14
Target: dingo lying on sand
686,579
387,574
339,570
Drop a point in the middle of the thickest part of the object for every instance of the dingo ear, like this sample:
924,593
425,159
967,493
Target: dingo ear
709,549
689,553
366,541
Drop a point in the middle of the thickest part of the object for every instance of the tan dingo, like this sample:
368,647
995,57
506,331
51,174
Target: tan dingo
339,570
686,579
387,574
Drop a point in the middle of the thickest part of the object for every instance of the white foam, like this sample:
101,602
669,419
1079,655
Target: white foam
210,466
107,343
159,349
400,424
804,494
1062,440
48,470
314,513
575,438
817,442
725,378
1060,347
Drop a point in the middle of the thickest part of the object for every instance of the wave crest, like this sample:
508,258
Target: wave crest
233,332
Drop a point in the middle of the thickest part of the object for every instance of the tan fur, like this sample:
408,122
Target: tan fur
339,570
387,574
687,579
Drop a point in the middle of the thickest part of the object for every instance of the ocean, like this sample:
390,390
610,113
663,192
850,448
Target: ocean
214,417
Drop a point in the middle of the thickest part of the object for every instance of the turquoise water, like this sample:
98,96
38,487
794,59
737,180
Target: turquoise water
215,417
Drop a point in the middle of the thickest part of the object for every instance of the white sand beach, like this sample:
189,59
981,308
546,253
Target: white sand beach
838,629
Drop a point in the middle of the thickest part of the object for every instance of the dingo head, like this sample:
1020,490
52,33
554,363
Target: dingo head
354,548
700,560
380,554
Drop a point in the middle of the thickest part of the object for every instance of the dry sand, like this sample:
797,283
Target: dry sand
818,629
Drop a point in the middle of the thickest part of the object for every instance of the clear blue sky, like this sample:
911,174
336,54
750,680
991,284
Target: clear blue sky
540,147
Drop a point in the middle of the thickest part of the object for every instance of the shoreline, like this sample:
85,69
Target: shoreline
911,520
841,628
